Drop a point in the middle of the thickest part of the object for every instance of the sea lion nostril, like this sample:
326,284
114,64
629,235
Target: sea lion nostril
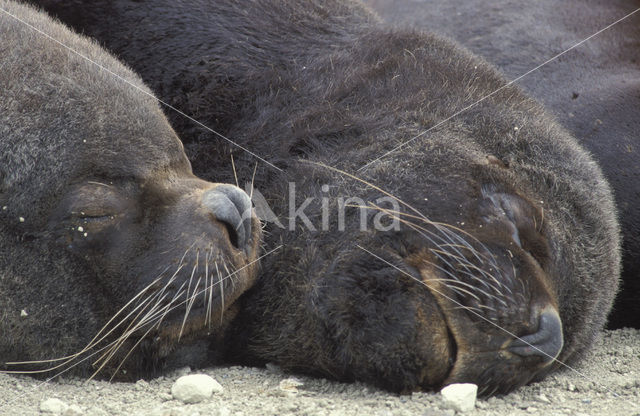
546,342
232,206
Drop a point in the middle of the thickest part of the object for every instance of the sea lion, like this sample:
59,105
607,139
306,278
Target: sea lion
593,89
437,225
105,232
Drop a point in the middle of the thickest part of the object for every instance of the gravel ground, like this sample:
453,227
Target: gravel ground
609,384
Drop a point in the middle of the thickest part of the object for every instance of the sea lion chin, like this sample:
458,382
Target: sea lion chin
107,239
505,257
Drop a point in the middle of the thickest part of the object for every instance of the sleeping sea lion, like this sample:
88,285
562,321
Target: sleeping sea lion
105,233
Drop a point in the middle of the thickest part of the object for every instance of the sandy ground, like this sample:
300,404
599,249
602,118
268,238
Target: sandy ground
606,383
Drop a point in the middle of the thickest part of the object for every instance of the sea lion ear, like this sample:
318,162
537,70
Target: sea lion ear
524,220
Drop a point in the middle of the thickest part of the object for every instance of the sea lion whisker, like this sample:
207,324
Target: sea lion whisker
208,294
229,276
455,232
472,287
100,184
483,282
483,306
148,300
233,167
491,276
220,282
462,291
124,358
224,265
134,325
465,247
188,295
468,265
253,177
158,312
191,300
473,308
461,260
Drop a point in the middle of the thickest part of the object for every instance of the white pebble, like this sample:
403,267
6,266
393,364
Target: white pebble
55,406
80,229
460,397
195,388
23,313
21,219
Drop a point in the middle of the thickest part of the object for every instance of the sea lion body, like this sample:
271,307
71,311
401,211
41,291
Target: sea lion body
99,207
504,225
592,89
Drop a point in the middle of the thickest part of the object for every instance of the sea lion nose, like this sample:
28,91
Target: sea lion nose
232,206
546,342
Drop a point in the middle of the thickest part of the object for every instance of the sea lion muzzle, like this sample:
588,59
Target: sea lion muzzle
232,206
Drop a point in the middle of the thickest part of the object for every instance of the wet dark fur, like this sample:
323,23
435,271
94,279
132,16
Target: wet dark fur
594,90
324,81
97,199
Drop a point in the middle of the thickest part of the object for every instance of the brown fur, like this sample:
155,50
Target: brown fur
507,205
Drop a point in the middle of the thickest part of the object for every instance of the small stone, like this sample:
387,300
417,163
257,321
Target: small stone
23,313
73,410
460,397
481,405
290,385
21,219
165,397
55,406
195,388
543,398
142,385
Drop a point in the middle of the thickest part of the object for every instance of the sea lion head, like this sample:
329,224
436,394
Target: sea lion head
478,284
109,243
499,271
506,258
